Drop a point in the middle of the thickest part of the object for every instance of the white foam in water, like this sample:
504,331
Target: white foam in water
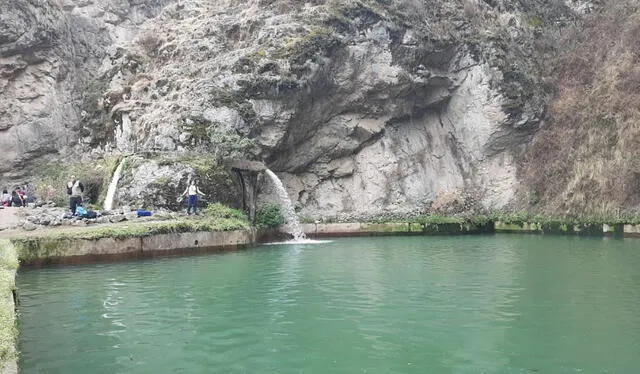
287,209
303,241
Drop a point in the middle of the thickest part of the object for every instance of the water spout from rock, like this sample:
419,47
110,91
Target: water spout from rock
113,186
287,208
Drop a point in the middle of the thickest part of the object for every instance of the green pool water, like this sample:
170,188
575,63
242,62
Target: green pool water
474,304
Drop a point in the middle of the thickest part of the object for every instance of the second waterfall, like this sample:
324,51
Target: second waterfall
113,186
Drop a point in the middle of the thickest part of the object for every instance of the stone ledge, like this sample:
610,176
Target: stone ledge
320,230
51,250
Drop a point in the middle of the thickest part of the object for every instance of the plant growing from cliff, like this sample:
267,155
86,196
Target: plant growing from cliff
149,43
270,215
228,144
199,132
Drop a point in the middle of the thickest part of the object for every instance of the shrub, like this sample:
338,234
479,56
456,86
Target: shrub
149,43
454,202
218,210
50,181
270,216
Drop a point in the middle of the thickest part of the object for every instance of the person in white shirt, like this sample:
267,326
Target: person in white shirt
74,190
5,200
192,193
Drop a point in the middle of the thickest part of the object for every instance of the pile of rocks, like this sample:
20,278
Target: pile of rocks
49,216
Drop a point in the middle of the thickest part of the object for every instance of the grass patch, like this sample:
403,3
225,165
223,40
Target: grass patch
219,211
8,329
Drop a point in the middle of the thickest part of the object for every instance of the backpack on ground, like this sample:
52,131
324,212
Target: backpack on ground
90,214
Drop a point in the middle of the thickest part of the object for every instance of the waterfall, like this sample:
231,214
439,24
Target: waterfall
108,201
287,208
124,135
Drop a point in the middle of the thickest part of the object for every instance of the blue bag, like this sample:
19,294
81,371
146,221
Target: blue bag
80,211
143,213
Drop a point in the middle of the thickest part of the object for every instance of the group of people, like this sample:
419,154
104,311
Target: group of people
17,198
75,188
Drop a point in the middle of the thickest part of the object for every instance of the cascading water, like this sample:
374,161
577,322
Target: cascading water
287,208
108,201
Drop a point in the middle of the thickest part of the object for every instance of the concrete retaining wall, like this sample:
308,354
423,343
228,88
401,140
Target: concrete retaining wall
40,251
51,250
615,230
631,231
320,230
325,230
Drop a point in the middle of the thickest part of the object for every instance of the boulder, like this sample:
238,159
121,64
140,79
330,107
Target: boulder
117,218
29,226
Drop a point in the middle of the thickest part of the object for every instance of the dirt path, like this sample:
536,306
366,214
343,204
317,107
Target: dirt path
9,217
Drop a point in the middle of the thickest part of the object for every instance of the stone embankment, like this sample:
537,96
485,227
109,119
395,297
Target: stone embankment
326,230
46,250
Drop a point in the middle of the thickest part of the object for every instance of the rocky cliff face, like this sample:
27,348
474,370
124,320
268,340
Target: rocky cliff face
50,55
362,107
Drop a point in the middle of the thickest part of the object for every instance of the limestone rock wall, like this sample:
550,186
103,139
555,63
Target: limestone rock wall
50,53
362,107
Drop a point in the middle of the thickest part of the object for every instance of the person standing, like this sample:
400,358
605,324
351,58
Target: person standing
192,193
74,190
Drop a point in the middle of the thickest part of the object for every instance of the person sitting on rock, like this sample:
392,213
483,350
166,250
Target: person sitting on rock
5,200
16,200
74,190
192,192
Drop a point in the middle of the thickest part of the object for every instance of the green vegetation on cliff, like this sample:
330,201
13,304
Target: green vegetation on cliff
50,179
585,160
